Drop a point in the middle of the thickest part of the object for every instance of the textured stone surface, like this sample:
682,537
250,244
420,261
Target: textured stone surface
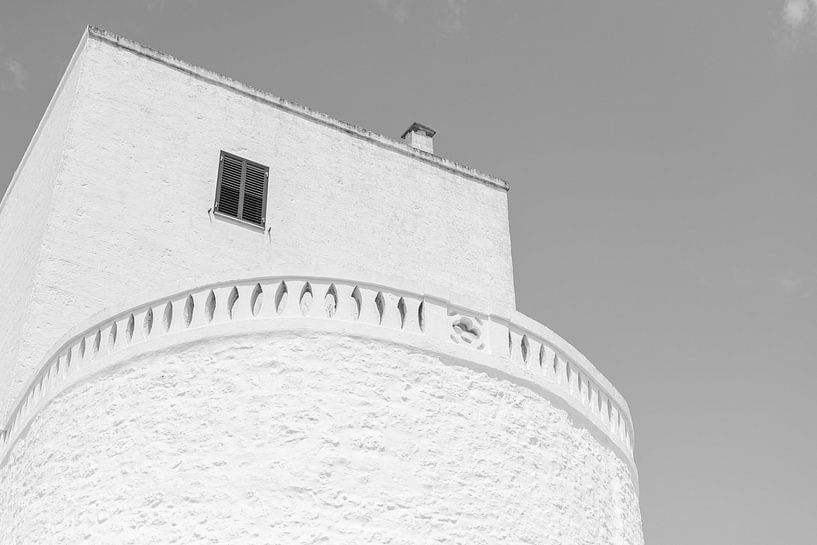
129,213
309,439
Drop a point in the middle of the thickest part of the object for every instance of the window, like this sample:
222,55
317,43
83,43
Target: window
241,191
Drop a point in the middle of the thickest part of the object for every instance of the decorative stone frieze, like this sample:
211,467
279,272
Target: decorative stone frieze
542,359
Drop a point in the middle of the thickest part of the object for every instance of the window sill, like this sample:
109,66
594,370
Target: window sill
239,222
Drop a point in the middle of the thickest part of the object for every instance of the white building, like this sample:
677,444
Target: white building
230,319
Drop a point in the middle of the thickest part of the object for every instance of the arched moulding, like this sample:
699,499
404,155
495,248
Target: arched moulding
256,299
232,299
305,300
401,308
578,385
189,307
357,303
548,356
281,296
129,328
346,301
148,322
593,396
210,306
330,301
616,421
167,315
380,303
112,335
568,372
581,388
48,377
618,429
603,415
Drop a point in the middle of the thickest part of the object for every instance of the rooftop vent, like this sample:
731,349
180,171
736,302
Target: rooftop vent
420,137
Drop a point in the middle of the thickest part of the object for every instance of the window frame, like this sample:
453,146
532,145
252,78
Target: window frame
241,191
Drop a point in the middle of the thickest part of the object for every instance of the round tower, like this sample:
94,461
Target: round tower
237,320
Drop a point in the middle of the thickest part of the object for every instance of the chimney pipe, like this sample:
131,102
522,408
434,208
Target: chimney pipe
420,137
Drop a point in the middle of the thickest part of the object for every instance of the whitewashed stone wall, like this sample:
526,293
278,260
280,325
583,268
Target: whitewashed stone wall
129,212
23,220
309,438
411,405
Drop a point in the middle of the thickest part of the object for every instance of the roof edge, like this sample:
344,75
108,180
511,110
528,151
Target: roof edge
294,108
46,116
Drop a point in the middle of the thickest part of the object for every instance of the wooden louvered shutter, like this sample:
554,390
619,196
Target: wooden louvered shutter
255,188
228,200
241,191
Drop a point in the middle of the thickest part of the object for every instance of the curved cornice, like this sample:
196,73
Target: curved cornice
505,344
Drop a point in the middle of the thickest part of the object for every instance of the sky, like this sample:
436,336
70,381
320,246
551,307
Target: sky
663,202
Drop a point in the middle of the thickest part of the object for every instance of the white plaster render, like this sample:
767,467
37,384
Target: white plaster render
23,216
514,349
267,437
130,202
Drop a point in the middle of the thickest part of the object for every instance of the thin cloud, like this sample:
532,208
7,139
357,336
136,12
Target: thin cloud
797,12
398,9
12,73
798,17
17,73
456,14
802,286
155,4
791,284
453,16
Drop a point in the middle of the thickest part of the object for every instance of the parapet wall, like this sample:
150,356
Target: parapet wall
512,346
289,409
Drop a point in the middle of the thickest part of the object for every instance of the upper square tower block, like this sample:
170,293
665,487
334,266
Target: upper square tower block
121,195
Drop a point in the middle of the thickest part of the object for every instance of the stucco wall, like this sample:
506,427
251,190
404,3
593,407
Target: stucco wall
269,438
23,216
130,209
